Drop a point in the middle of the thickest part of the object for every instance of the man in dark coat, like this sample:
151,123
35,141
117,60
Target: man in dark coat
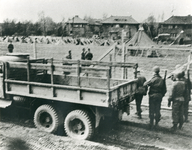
156,93
83,54
69,56
10,47
89,55
141,90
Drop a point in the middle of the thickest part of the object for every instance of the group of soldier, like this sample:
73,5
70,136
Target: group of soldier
85,55
179,97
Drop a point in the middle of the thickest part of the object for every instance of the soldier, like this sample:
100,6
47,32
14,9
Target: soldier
187,95
10,47
83,54
69,56
141,90
89,55
177,97
156,93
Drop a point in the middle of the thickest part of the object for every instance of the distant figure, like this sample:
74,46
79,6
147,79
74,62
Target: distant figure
69,56
83,54
10,47
141,90
89,55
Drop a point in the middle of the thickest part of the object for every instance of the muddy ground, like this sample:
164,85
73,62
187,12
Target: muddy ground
17,132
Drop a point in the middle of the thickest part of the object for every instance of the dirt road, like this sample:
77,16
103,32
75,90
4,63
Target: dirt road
18,132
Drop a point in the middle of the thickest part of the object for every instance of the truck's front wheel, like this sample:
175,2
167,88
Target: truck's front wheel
46,118
78,125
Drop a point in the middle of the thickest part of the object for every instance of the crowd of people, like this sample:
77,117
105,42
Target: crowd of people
179,97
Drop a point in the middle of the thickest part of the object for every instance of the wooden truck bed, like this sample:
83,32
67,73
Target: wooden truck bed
56,81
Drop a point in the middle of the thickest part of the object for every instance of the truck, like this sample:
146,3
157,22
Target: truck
71,94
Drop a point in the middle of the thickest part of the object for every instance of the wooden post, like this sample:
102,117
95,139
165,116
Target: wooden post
52,80
114,59
108,78
110,59
122,54
28,75
34,50
78,72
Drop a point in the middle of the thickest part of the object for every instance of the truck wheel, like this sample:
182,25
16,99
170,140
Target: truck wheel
46,119
78,125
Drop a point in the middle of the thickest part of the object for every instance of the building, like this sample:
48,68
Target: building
76,26
179,28
112,27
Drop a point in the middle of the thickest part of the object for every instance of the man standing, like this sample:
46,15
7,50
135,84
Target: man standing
69,55
83,54
177,97
141,90
89,55
187,96
156,93
10,47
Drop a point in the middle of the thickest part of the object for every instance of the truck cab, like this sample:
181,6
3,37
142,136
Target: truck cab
9,57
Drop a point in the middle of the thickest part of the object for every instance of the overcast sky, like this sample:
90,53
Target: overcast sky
22,10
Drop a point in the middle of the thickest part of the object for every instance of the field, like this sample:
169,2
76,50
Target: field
131,133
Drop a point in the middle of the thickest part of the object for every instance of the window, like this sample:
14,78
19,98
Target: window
176,26
117,25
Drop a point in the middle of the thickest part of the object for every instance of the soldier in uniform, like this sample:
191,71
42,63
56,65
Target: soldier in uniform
187,96
10,47
83,54
69,56
89,55
156,93
177,97
141,90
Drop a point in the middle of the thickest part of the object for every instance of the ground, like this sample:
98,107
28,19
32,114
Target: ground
17,130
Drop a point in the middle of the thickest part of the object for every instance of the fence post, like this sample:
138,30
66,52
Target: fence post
34,50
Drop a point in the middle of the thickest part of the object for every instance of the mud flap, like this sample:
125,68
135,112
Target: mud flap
5,103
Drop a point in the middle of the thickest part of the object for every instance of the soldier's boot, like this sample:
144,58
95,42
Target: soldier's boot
180,125
151,124
186,118
174,128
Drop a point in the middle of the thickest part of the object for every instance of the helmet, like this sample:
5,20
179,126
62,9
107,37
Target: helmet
156,69
178,75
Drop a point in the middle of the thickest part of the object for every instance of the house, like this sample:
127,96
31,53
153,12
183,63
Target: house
113,26
76,26
179,28
94,27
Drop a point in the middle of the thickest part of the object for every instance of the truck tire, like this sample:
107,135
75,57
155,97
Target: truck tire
78,125
46,119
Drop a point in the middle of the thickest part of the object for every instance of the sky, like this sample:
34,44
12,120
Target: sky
28,10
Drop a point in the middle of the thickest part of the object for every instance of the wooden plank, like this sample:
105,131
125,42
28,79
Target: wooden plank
159,48
17,65
56,86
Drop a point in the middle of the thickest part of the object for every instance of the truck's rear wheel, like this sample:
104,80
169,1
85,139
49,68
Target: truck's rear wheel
46,119
78,125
